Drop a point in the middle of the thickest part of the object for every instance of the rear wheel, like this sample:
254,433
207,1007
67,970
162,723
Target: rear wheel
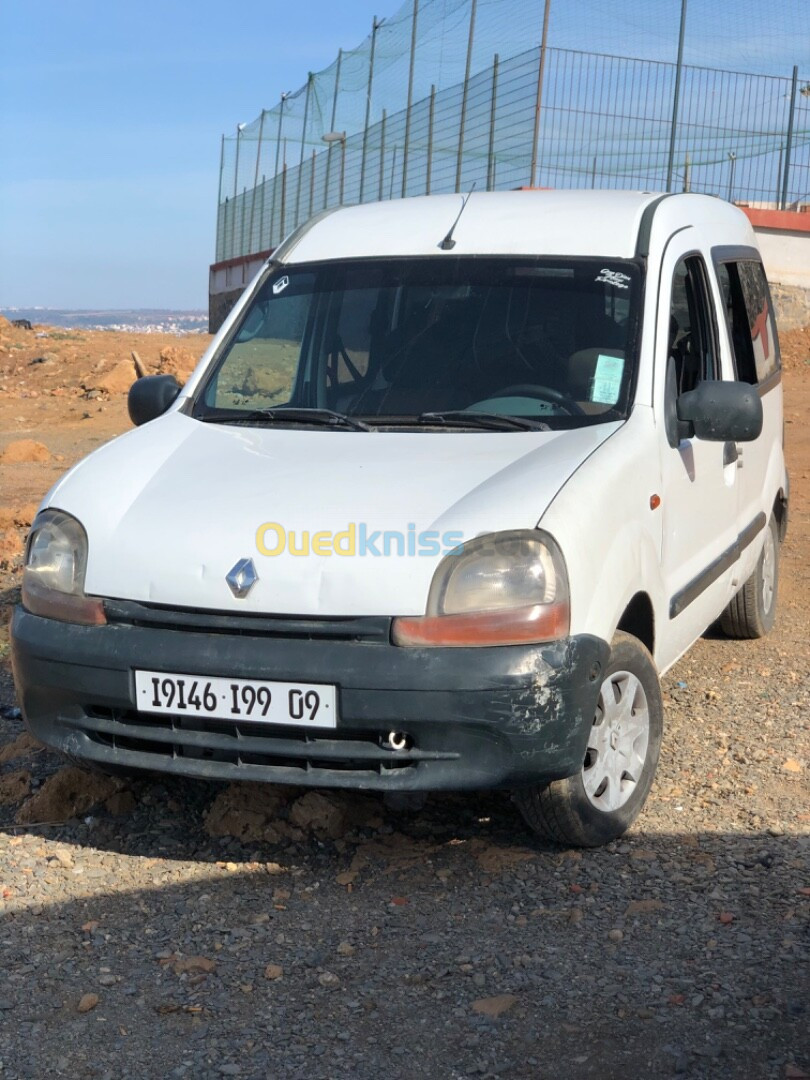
601,801
752,612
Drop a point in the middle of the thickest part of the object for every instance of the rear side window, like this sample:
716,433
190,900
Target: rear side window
749,315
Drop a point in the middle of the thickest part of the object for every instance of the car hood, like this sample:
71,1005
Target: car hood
171,507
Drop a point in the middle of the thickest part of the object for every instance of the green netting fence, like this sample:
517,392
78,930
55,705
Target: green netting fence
420,108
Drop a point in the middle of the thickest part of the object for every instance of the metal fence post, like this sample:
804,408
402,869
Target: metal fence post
687,173
331,129
261,214
312,184
492,118
236,166
310,80
676,97
256,179
223,252
282,233
375,26
593,174
382,156
539,103
242,224
220,237
789,140
431,120
221,164
410,99
275,169
465,94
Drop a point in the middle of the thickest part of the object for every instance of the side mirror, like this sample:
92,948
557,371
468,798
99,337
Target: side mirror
151,396
721,411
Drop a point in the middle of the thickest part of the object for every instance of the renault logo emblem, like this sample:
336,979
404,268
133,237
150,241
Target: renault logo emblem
242,578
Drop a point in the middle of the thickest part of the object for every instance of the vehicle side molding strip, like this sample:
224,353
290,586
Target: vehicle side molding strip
681,600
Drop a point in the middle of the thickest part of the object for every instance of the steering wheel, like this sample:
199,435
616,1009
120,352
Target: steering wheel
542,393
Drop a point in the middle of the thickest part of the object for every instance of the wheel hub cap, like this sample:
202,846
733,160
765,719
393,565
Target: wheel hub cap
617,748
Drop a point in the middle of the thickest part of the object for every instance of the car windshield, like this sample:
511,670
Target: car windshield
408,341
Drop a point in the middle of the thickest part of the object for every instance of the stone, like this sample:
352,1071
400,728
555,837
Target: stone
494,1006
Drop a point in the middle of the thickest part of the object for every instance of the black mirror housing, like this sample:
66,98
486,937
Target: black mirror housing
151,396
722,411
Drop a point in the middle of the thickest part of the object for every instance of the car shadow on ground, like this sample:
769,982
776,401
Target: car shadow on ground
186,928
662,954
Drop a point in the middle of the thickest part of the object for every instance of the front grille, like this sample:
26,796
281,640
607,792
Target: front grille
368,628
247,746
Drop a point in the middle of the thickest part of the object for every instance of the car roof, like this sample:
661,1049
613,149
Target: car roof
528,222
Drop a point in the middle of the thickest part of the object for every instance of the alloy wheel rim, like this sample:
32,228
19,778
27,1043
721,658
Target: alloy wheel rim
618,742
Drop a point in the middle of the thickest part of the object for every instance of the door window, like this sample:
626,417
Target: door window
749,315
692,331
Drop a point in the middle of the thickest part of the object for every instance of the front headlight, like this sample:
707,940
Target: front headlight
501,589
55,564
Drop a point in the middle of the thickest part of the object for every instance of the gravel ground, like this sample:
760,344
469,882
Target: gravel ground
179,929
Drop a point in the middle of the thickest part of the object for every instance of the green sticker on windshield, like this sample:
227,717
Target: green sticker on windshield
607,379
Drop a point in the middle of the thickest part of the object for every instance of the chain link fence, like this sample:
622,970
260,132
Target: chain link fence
551,117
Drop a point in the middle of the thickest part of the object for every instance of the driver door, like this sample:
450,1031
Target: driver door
700,487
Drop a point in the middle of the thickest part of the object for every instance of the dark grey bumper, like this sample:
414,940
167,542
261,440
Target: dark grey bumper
477,718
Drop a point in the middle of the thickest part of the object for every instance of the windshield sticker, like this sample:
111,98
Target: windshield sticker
607,379
280,285
614,278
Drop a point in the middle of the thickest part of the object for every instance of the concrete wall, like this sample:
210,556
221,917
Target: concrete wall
784,240
226,283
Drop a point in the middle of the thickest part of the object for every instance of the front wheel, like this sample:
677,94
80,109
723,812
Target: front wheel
602,801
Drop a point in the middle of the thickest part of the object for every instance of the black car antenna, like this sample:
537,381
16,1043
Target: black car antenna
449,243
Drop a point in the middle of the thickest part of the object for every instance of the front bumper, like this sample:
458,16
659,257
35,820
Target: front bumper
477,718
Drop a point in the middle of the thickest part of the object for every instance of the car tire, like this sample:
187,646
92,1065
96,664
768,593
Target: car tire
602,801
752,612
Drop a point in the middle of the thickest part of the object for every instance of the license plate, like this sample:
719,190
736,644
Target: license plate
241,700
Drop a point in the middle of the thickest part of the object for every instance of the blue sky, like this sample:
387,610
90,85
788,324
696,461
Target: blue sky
111,113
110,122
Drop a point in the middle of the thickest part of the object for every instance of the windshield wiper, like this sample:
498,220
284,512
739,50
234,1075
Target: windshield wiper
294,415
490,421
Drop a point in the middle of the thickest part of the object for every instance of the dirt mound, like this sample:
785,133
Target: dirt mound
14,787
21,747
114,380
176,360
256,812
245,811
69,793
22,451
